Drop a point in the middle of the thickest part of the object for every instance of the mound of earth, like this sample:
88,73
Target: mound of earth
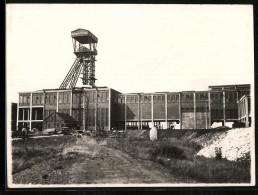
234,143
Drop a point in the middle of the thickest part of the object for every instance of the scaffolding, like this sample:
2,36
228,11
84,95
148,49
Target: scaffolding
84,44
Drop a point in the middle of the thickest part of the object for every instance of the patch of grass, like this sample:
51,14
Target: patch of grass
179,156
28,152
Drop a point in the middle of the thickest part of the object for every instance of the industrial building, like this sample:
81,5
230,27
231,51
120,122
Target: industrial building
101,107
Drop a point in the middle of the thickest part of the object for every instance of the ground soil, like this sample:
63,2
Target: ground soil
92,162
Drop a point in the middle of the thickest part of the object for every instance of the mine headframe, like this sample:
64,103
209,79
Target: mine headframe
84,45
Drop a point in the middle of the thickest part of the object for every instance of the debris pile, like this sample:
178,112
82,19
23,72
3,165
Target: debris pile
234,144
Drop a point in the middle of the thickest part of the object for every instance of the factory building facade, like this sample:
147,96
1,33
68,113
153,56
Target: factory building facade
107,108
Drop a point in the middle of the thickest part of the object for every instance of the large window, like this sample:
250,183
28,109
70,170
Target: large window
25,99
74,98
60,98
163,98
173,98
146,99
107,96
168,98
107,116
38,99
68,97
46,99
159,98
21,99
103,97
132,99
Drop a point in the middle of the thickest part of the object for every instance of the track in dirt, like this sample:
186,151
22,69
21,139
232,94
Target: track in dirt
92,162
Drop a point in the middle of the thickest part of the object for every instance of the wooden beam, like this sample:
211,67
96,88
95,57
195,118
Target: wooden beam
224,108
109,111
209,123
180,111
30,109
125,111
166,110
194,99
152,111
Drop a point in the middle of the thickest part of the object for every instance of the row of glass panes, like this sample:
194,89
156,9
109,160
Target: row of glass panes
198,109
103,114
229,96
24,113
64,98
229,112
24,99
37,99
50,99
102,96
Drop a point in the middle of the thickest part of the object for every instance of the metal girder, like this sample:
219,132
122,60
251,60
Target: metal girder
72,76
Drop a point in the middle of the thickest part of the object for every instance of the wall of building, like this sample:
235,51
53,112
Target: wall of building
132,108
244,110
173,106
97,108
107,108
13,116
145,107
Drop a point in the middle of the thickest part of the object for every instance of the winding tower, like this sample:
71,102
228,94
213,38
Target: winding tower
84,45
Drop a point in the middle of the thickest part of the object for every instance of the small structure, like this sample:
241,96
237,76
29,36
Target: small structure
13,116
244,110
153,133
58,120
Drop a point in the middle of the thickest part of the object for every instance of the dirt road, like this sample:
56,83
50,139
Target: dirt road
90,162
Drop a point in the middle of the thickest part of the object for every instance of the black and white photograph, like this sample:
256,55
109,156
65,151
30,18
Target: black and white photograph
129,95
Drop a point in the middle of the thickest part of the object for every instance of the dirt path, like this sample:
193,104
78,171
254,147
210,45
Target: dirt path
89,162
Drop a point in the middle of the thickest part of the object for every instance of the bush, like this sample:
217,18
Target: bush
218,153
27,152
179,156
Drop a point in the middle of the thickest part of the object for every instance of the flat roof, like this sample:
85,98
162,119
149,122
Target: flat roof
84,36
240,85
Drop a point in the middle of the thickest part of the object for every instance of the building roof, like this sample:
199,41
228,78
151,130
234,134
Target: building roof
63,116
84,36
66,117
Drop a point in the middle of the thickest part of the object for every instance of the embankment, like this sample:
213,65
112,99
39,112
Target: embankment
233,143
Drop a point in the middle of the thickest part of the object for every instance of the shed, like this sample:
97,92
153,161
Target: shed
58,120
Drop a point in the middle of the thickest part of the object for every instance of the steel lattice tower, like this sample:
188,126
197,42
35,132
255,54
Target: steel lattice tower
84,44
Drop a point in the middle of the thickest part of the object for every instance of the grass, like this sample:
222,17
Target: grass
28,152
179,156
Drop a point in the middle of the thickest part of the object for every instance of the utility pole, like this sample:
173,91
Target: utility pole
96,123
141,115
206,113
55,121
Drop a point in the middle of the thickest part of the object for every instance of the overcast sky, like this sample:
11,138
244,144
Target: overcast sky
142,48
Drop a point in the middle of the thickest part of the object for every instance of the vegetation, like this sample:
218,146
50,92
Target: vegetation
28,152
179,156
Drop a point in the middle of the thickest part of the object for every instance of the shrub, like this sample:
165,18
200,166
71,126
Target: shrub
179,156
27,152
218,153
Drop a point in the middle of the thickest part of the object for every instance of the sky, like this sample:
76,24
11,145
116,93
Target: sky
141,48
